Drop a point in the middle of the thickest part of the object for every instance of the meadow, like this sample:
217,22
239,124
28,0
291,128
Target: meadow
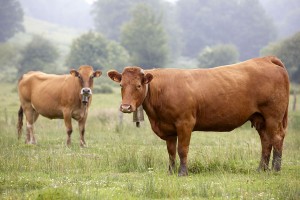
125,162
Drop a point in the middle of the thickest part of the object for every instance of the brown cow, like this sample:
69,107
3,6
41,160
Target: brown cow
179,102
56,97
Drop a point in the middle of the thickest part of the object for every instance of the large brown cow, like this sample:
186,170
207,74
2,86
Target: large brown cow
179,102
56,97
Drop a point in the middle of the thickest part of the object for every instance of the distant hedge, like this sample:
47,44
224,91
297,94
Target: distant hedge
103,89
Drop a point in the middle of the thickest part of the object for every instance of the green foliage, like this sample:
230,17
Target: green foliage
38,55
288,51
145,38
95,50
103,88
217,56
11,19
9,55
207,23
115,13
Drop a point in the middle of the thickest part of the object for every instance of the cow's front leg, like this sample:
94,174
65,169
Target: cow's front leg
171,146
68,124
184,136
81,125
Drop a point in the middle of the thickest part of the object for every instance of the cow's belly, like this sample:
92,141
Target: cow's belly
218,127
221,124
51,113
47,110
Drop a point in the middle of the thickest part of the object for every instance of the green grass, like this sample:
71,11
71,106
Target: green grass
130,163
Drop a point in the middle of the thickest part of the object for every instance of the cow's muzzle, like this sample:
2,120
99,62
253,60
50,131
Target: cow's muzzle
126,108
86,93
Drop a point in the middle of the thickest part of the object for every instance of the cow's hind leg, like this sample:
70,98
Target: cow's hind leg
272,135
266,148
277,142
171,146
31,117
258,121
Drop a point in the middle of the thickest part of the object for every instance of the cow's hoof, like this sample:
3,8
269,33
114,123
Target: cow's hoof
30,142
83,146
183,174
263,169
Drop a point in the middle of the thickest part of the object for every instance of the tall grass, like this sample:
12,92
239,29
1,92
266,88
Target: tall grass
124,162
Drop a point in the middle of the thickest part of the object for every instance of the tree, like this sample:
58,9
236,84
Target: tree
210,22
11,19
288,51
38,55
95,50
9,55
145,39
110,15
218,55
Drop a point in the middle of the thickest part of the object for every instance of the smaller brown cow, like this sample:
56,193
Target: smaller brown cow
179,101
56,97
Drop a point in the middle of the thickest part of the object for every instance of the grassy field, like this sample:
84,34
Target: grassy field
124,162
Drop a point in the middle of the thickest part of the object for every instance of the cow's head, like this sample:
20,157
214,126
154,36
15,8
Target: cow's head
133,82
85,75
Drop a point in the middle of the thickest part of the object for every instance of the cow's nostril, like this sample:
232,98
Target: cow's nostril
86,91
125,108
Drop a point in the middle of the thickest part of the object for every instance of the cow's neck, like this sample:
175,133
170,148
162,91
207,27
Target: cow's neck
147,103
146,92
138,115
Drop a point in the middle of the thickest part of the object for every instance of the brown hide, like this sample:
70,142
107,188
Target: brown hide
56,97
179,101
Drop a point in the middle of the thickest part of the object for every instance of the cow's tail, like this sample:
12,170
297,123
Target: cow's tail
285,119
20,122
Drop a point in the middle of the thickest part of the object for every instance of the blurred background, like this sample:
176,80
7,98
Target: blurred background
55,36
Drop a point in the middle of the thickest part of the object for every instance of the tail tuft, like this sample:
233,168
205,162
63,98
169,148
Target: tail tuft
20,122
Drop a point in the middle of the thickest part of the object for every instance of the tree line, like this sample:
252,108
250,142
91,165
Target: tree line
153,33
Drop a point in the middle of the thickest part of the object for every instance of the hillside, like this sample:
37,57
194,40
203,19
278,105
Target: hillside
60,36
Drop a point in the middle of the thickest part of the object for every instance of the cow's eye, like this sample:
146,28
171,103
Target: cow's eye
138,86
91,77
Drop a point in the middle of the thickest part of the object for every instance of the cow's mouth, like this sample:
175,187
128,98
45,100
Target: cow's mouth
86,93
85,99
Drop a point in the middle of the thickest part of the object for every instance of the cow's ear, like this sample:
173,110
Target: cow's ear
147,78
97,73
114,75
74,72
